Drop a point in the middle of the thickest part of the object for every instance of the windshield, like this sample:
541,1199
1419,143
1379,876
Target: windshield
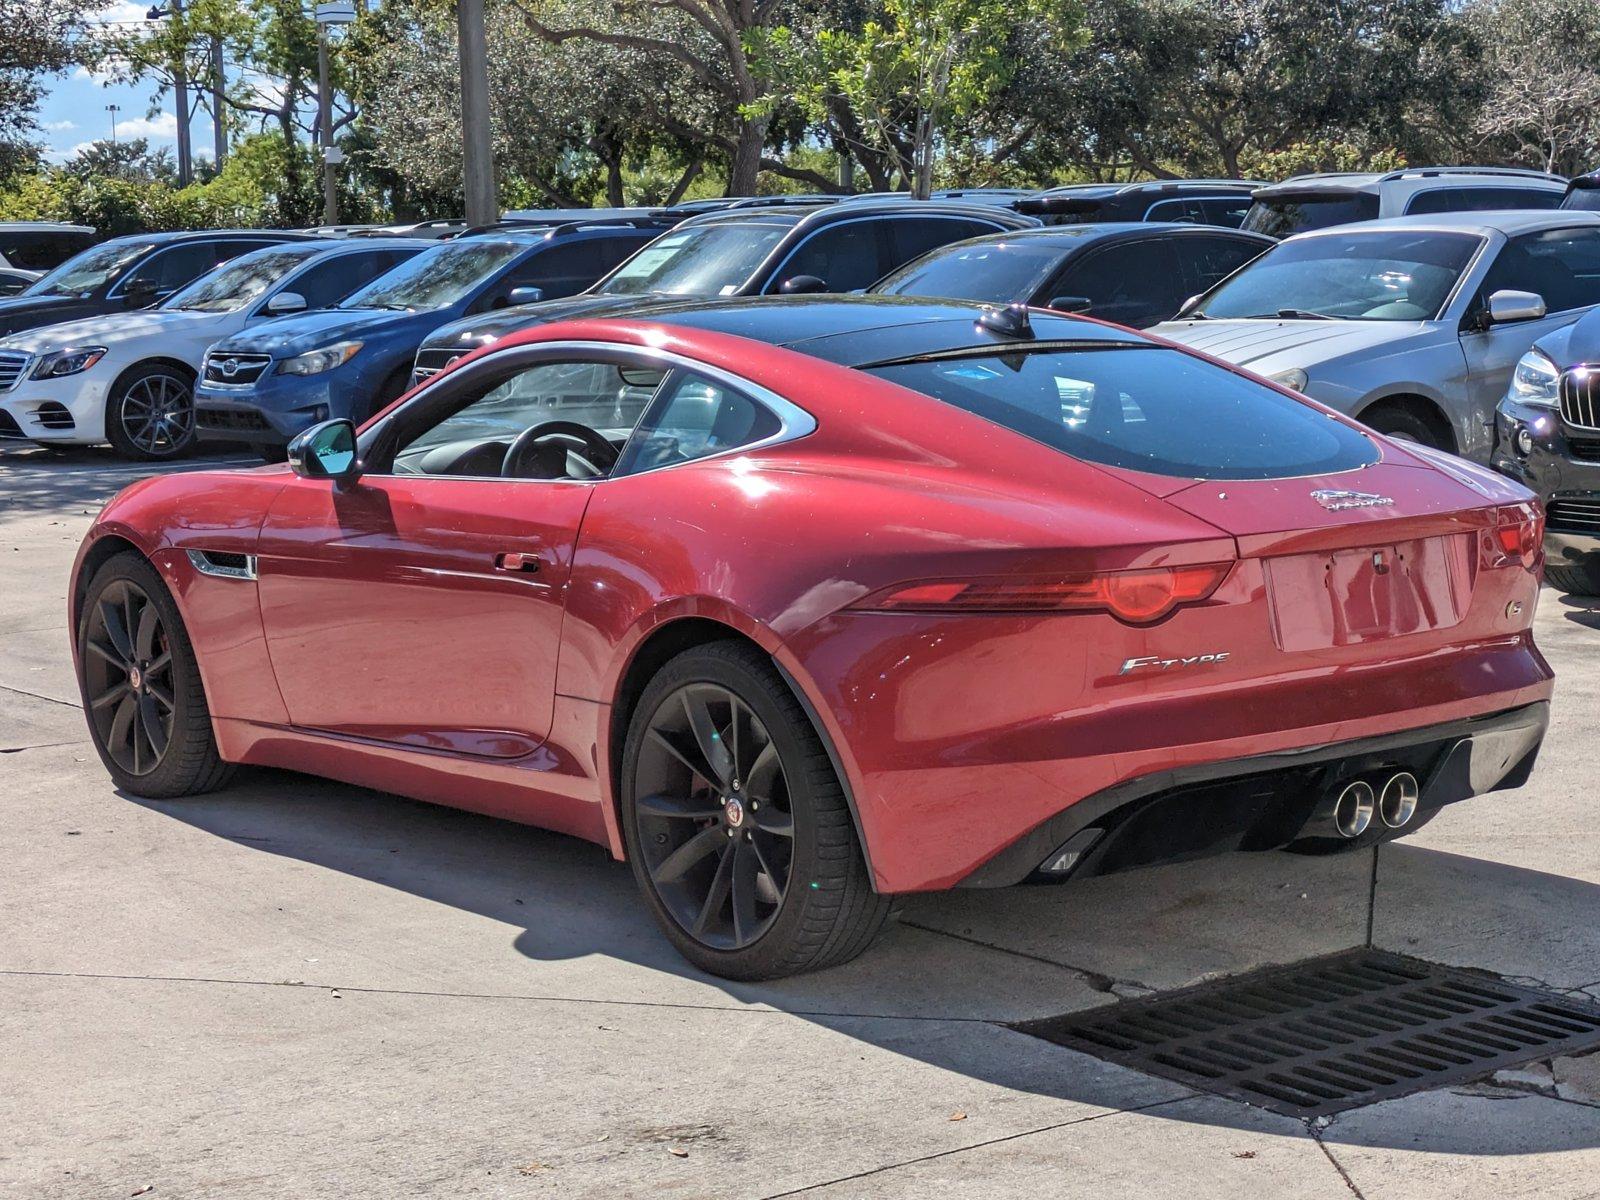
91,270
437,278
998,272
1145,408
1582,199
236,284
709,260
1398,276
1298,214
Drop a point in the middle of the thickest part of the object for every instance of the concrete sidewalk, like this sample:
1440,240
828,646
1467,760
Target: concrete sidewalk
297,988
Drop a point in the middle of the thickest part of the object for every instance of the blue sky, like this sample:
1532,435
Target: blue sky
74,110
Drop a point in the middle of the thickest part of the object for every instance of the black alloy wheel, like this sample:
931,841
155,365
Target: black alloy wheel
737,828
713,808
141,687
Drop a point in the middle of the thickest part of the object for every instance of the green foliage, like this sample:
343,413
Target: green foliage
1304,158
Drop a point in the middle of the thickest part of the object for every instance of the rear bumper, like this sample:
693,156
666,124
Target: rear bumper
1263,802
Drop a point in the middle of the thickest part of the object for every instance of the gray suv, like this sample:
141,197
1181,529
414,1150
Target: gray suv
1414,324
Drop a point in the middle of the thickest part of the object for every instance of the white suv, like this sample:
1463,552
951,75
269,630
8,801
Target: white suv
1309,202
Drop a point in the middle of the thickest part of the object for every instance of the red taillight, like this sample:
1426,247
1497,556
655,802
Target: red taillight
1516,537
1137,597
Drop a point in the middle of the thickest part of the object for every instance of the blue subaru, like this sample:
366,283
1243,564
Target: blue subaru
268,383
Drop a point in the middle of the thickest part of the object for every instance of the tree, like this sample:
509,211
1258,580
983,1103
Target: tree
1544,100
888,91
130,159
37,39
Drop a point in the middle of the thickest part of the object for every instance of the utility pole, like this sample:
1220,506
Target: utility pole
219,112
180,97
477,144
329,13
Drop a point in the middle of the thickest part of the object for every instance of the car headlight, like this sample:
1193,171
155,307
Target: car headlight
1293,378
68,362
315,362
1535,381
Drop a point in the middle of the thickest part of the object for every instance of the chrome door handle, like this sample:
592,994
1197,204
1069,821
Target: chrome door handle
514,560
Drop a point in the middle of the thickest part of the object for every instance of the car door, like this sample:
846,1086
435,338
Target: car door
422,604
1562,266
1135,282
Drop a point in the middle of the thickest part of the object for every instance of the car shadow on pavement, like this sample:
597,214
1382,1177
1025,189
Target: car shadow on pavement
936,986
85,477
1583,610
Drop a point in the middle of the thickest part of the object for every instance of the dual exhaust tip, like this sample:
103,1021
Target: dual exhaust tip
1359,802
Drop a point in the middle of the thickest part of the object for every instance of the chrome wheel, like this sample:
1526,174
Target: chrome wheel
714,817
157,414
127,673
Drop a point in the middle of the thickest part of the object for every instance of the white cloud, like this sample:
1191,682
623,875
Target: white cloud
160,128
60,126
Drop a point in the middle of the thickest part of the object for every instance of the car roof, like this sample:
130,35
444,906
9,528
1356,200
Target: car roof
44,227
854,210
171,236
1099,231
1098,190
1509,222
856,330
1372,181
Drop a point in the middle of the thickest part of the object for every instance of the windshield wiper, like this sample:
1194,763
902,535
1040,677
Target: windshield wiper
1305,314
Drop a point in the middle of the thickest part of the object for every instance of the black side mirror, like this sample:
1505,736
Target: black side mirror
800,285
325,451
1070,304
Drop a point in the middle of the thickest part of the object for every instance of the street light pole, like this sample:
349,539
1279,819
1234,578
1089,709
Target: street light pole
329,13
180,98
477,144
113,109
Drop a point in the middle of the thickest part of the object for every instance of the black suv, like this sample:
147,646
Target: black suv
42,245
129,272
788,248
1190,201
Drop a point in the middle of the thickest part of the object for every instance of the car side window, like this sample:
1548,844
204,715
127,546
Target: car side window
845,256
1228,211
1212,259
912,237
469,429
1137,283
561,270
1191,212
695,417
1481,199
169,269
324,284
1560,265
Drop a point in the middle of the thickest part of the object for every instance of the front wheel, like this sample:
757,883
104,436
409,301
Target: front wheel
141,685
150,413
736,824
1580,577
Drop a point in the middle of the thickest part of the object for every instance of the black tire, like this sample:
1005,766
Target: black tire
1580,578
826,912
169,694
150,413
1403,424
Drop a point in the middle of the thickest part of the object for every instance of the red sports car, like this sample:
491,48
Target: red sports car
804,603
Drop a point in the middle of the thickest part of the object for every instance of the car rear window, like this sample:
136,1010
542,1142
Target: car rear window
1145,408
1281,216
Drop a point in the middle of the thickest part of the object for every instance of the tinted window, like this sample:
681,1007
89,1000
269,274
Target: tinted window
1561,265
1230,211
996,271
1582,199
91,270
1389,276
41,249
1212,259
696,417
1188,211
845,256
560,270
324,284
1136,283
1481,199
705,260
438,277
169,269
1280,218
913,237
1144,408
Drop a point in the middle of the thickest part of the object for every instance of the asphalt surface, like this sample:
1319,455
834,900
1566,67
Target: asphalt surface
297,988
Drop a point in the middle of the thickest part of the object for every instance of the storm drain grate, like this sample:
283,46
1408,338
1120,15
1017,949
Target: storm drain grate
1333,1033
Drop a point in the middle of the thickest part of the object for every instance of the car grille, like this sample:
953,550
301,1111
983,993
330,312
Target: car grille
1574,513
9,427
431,362
247,368
1585,449
1580,397
12,366
54,416
232,419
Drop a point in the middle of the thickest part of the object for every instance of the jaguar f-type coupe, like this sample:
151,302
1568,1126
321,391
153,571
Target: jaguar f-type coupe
803,603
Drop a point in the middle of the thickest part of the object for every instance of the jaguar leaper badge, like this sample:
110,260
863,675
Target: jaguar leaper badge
1337,499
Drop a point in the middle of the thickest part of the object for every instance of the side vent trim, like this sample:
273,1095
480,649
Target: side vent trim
223,564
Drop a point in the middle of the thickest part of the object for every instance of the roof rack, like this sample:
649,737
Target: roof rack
1430,172
658,220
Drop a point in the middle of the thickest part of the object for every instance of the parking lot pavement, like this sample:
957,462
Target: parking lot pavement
305,989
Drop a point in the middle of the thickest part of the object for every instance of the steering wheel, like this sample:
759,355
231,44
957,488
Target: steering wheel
547,437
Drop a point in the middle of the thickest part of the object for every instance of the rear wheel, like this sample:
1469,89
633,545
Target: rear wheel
150,413
141,686
1581,578
736,825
